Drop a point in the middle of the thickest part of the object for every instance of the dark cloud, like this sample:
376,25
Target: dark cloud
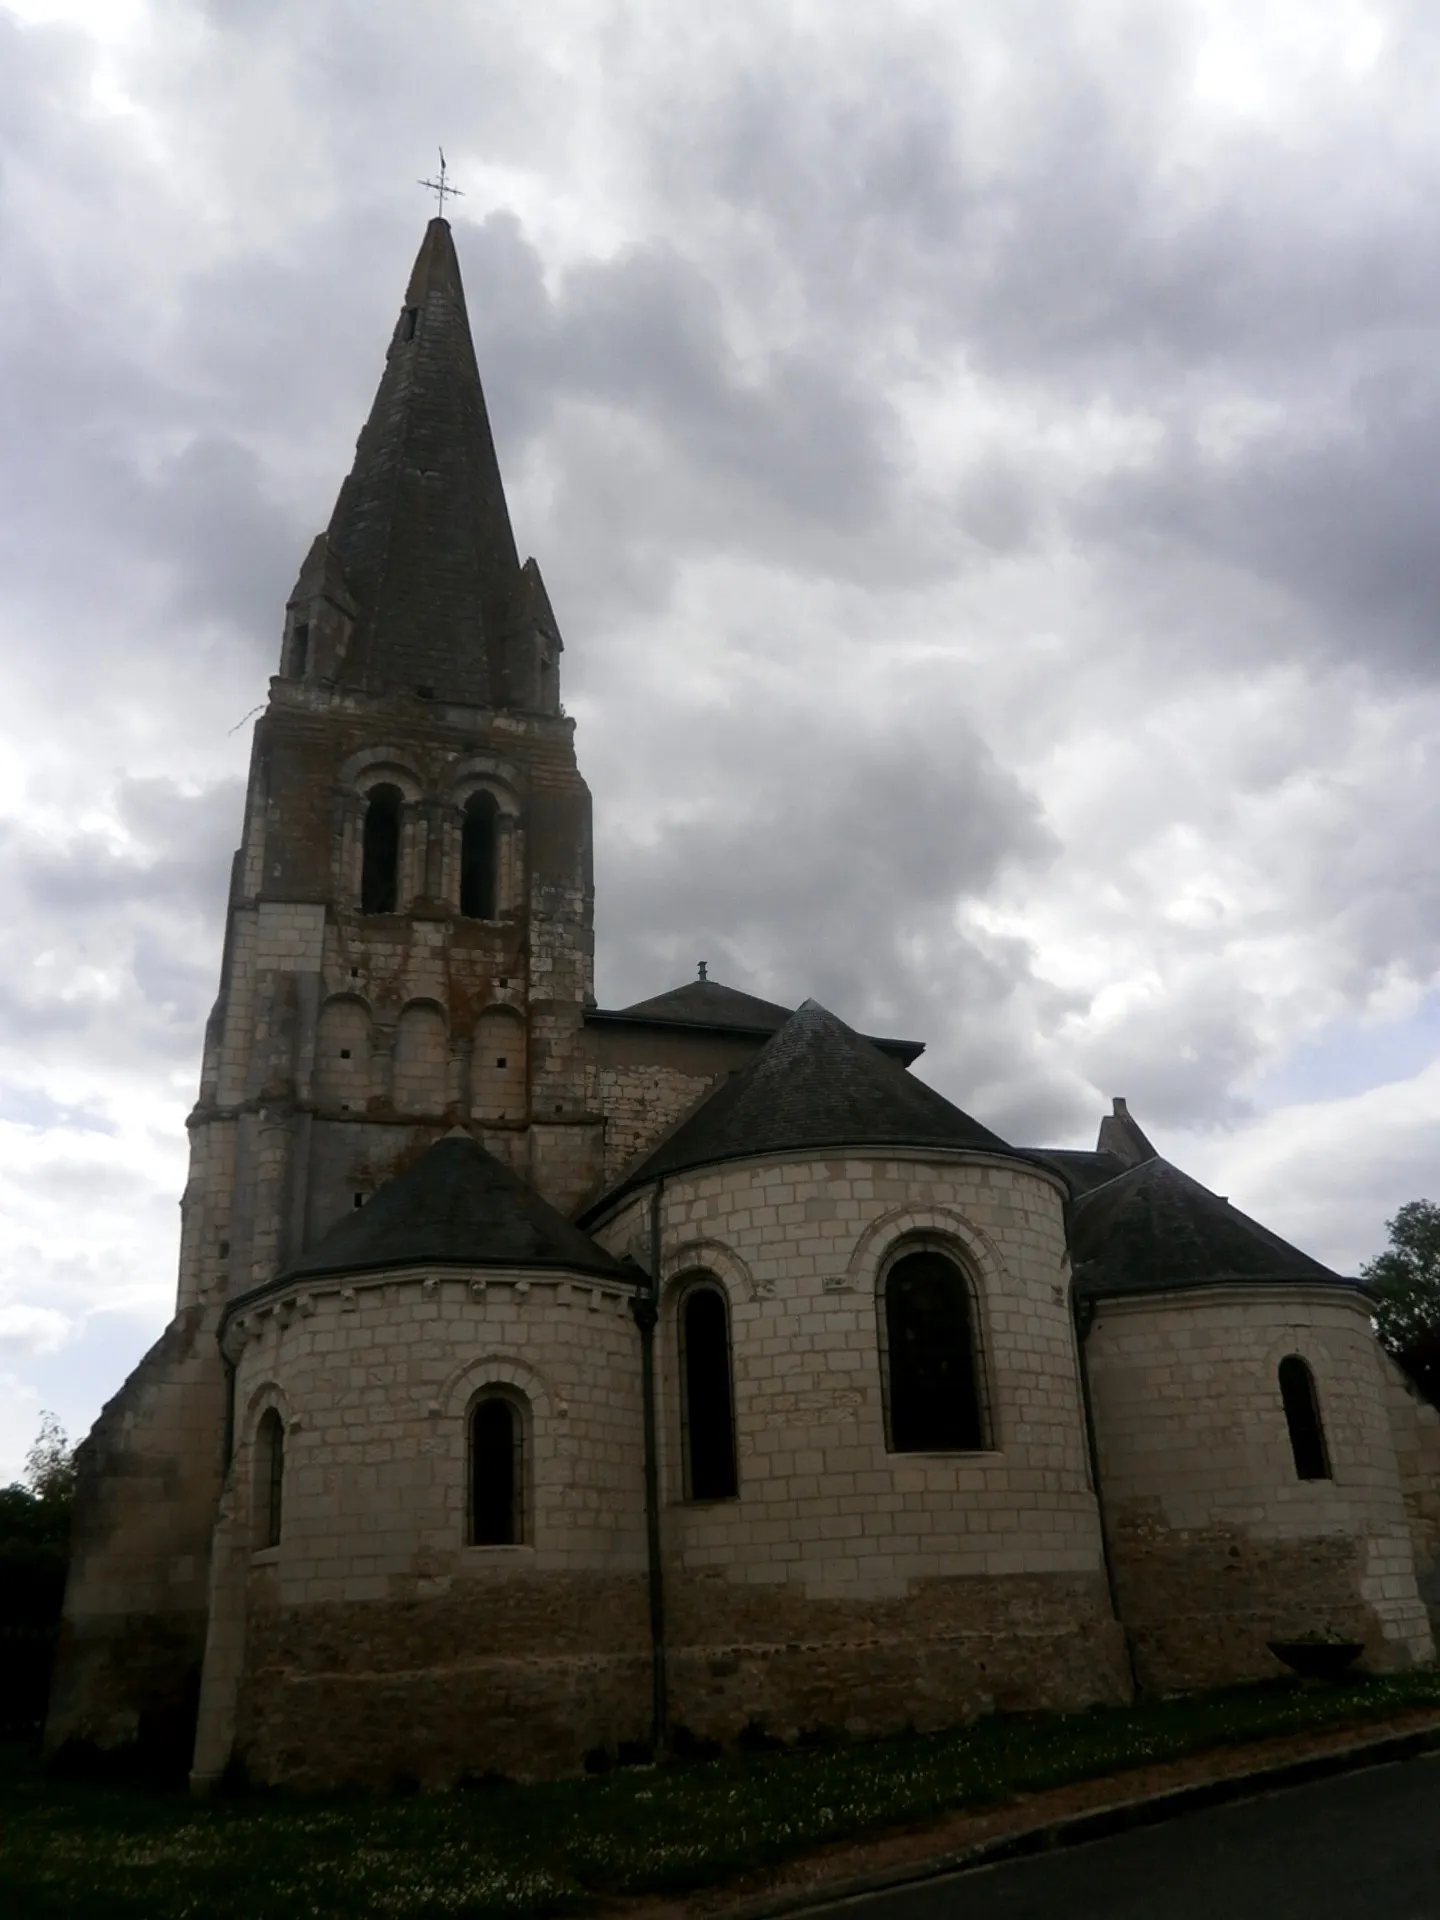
982,479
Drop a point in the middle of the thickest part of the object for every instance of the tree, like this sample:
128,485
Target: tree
50,1463
1405,1280
34,1554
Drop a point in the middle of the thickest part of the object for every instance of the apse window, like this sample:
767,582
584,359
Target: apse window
1302,1418
707,1396
933,1399
269,1479
497,1472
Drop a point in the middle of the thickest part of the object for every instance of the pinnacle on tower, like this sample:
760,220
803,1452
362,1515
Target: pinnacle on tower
421,532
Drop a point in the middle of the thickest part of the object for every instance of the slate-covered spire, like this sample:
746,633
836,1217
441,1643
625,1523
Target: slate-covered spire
421,530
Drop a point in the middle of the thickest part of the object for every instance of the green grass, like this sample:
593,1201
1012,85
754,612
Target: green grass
89,1852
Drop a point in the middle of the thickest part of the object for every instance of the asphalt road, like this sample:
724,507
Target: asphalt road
1365,1846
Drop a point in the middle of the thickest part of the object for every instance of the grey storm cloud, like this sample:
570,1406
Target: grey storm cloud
982,480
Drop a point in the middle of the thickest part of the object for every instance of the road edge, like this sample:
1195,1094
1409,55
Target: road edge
1098,1823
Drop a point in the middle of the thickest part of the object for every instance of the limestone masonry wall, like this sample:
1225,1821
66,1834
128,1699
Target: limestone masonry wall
1218,1545
375,1640
1415,1429
847,1585
640,1104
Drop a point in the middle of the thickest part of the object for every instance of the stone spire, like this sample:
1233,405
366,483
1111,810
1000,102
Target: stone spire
421,532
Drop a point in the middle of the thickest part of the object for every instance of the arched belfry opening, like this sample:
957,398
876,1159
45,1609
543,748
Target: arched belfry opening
380,857
479,862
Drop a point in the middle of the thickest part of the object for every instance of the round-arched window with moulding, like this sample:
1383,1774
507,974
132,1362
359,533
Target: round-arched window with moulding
496,1501
934,1401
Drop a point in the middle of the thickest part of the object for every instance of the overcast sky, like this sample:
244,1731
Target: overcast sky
984,460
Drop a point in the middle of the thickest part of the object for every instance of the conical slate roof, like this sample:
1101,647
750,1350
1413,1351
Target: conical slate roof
817,1083
456,1206
421,529
1153,1228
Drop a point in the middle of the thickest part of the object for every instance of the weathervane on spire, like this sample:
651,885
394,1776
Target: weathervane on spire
441,186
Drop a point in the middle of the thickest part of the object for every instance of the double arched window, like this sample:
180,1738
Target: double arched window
933,1395
1302,1418
707,1401
497,1472
269,1493
380,855
478,862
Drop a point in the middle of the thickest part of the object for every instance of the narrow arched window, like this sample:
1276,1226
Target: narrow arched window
1302,1417
708,1411
380,866
932,1366
497,1473
477,857
269,1478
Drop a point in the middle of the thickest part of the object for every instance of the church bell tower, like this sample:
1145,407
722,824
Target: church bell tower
410,930
408,947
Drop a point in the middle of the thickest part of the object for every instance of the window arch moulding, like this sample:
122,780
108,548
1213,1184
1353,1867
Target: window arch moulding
873,1248
722,1263
494,1370
381,766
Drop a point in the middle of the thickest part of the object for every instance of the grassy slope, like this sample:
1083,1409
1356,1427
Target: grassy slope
99,1853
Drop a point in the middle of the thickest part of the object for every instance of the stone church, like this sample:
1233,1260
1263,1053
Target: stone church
549,1382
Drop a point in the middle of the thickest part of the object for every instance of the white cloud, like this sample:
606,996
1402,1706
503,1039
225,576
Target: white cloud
986,497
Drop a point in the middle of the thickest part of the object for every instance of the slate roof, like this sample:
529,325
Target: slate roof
1083,1169
421,529
456,1206
720,1009
710,1004
816,1083
1153,1227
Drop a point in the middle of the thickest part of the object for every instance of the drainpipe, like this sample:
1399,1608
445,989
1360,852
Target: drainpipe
645,1307
1083,1314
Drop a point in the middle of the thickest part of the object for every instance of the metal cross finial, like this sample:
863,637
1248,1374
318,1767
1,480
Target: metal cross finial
704,965
442,186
